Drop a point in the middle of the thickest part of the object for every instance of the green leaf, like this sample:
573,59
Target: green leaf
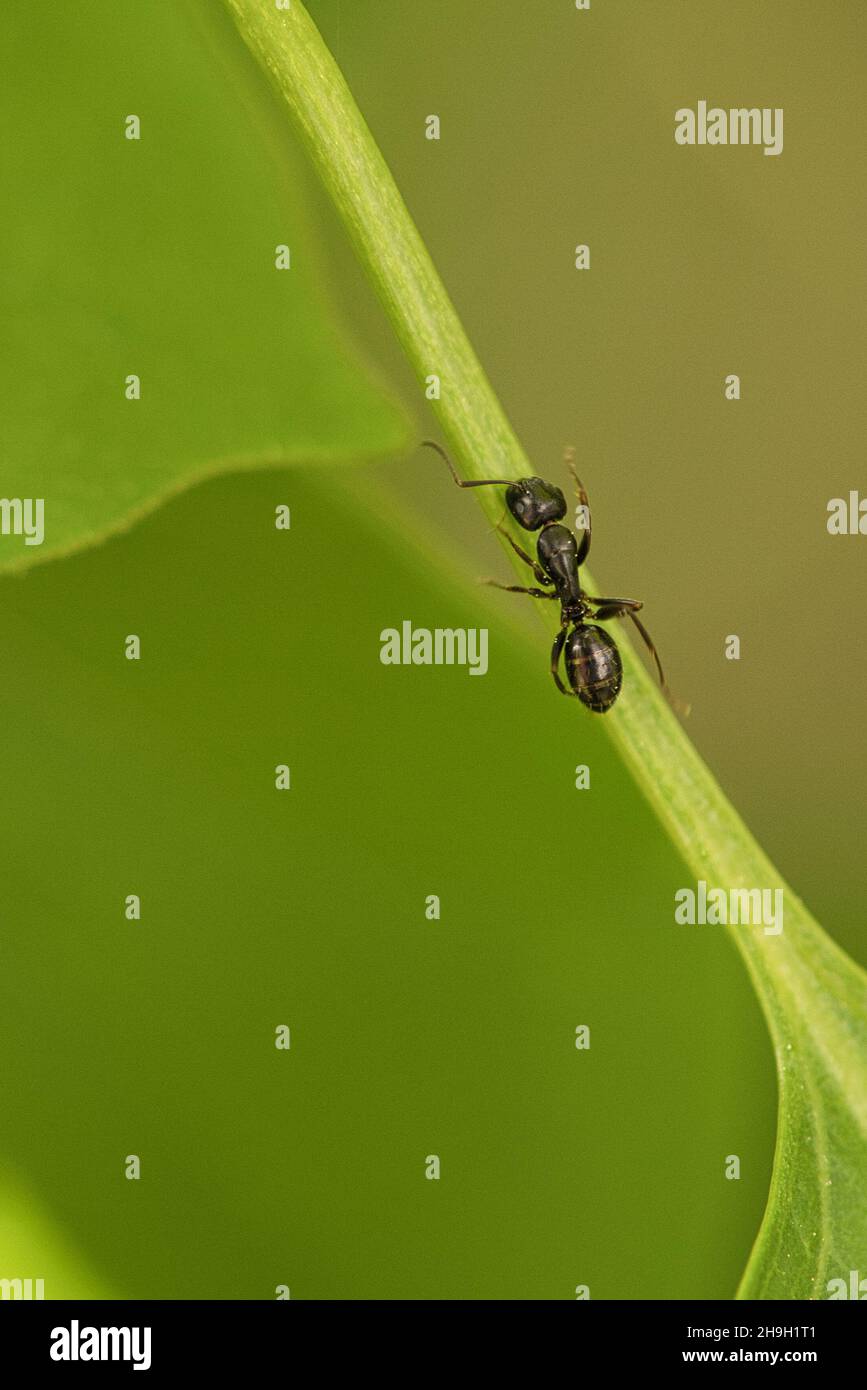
258,908
156,258
815,1228
813,997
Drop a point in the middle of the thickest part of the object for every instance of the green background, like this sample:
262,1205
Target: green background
260,647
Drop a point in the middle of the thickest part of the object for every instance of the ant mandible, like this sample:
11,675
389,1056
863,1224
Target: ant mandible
593,666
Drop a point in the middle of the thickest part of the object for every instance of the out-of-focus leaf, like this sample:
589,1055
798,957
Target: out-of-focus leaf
155,258
37,1252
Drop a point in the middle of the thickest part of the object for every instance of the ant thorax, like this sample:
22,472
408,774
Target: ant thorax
557,550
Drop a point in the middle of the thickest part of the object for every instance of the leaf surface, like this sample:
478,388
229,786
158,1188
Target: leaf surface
155,258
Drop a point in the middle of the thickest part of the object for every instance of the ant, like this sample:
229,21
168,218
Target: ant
593,666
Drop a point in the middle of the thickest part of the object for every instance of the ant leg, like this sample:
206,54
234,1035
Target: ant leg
584,537
462,482
649,644
528,560
556,652
518,589
620,605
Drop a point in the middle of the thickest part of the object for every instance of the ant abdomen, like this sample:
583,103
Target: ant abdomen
593,667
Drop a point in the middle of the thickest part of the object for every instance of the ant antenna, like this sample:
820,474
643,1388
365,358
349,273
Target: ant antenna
461,482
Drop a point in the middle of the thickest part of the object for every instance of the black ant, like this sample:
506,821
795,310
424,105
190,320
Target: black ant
593,664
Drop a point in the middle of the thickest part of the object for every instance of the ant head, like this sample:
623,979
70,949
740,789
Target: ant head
535,503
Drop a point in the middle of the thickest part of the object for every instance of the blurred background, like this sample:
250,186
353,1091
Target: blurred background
410,1037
